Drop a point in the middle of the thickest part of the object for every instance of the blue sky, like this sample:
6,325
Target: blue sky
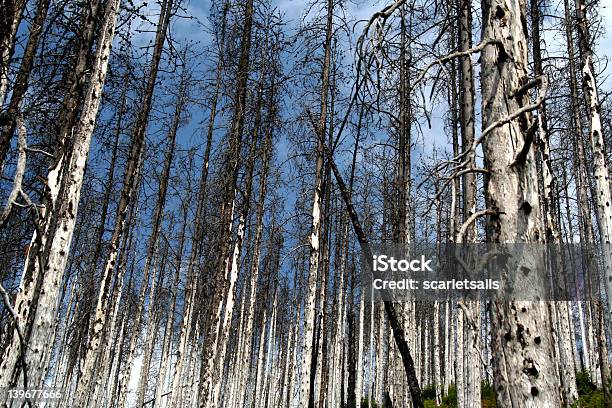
432,140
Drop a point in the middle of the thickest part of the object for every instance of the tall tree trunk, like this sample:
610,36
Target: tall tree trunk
587,239
310,302
196,240
181,101
220,284
524,369
234,260
55,225
549,204
254,273
603,197
127,195
468,360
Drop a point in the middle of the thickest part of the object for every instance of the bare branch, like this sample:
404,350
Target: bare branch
471,219
448,57
516,114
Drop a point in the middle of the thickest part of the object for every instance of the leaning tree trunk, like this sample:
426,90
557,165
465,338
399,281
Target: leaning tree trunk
46,260
524,368
127,193
10,19
394,322
21,80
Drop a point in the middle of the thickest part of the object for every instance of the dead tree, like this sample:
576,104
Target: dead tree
524,372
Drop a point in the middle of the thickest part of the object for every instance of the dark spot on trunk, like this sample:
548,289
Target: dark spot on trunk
502,56
520,334
499,12
530,369
526,208
537,340
534,391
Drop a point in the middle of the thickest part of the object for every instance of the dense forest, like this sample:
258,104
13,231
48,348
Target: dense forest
188,191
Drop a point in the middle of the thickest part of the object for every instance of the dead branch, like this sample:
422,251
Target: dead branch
471,219
457,54
519,112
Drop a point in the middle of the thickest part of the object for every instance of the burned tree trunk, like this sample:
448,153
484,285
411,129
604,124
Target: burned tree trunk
523,360
55,225
310,302
127,195
220,284
21,80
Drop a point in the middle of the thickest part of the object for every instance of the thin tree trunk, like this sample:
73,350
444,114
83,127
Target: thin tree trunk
167,341
566,359
196,240
468,360
234,262
603,198
21,80
310,302
227,210
254,273
152,329
584,211
12,13
127,195
181,102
